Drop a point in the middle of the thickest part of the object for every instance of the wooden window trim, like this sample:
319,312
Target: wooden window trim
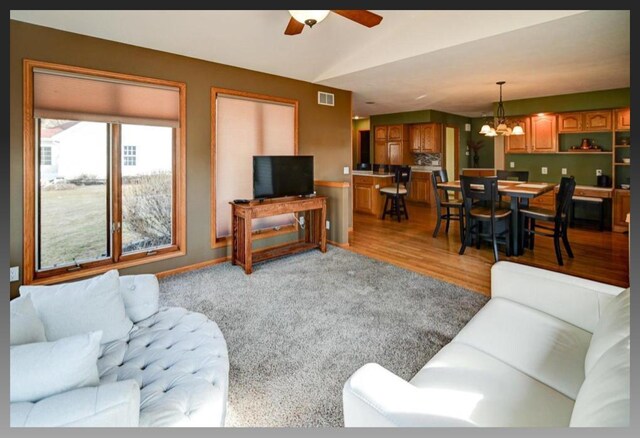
179,247
258,234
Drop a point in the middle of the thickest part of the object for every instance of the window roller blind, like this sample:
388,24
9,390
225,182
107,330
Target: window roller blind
61,95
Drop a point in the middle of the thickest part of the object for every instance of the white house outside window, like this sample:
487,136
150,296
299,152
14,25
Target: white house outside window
129,155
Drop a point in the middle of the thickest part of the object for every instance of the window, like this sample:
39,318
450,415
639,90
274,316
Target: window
129,156
246,125
83,214
45,155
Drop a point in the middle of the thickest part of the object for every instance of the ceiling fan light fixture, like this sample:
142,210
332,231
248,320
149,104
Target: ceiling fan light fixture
309,17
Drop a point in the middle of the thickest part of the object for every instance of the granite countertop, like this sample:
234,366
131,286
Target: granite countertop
371,173
425,168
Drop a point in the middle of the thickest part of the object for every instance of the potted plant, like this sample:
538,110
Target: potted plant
475,146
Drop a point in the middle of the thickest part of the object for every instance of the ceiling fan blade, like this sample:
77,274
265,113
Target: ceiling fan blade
363,17
294,27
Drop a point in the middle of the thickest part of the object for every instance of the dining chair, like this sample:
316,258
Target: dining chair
443,200
480,198
514,175
396,194
559,217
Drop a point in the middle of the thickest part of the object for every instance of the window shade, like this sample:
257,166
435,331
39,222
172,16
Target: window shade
244,128
61,95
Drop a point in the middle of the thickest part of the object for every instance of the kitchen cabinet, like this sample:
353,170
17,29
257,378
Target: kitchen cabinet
518,144
380,133
391,145
623,119
569,122
584,121
621,206
426,137
380,152
420,189
544,133
366,193
597,121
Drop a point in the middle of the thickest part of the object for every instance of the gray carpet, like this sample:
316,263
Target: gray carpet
299,326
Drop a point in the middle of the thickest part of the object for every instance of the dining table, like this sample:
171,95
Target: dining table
516,190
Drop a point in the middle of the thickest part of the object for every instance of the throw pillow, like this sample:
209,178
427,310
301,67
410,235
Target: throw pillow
140,294
84,306
42,369
25,326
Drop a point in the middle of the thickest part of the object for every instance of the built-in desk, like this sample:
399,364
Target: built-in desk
315,236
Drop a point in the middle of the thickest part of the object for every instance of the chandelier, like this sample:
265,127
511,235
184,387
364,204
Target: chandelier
503,127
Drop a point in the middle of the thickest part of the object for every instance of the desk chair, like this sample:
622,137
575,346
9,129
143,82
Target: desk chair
444,201
396,194
481,205
559,217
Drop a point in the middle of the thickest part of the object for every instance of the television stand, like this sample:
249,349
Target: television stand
315,232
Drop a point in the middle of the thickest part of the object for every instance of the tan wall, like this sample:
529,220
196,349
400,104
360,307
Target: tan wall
323,131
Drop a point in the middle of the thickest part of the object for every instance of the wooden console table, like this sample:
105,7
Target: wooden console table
315,235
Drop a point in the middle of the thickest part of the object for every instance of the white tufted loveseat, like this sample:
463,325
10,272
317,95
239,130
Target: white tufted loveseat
171,369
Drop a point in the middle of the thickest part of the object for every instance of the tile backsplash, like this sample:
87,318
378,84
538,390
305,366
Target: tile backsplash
422,159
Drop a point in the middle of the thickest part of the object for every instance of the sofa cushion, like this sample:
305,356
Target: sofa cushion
80,307
43,369
110,405
535,343
179,359
140,294
25,326
473,386
604,398
613,326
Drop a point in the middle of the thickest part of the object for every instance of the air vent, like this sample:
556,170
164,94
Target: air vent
325,98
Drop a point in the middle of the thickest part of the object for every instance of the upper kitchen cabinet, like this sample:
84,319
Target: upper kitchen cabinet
380,133
391,144
597,121
396,133
426,137
569,122
519,144
544,133
623,119
584,121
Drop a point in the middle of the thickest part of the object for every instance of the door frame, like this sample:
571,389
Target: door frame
359,146
456,149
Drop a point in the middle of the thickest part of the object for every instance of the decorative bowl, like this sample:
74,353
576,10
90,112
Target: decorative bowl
625,186
626,160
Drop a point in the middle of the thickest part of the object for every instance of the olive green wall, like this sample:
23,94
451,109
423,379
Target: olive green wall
582,166
487,152
603,99
426,116
324,131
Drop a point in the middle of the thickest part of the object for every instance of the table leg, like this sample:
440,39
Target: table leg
248,256
515,229
234,234
323,228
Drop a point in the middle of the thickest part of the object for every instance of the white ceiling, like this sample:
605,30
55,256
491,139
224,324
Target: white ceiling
413,60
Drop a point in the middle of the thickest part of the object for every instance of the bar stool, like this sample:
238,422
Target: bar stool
588,200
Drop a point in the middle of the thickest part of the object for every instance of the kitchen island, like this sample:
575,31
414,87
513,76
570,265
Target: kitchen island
367,184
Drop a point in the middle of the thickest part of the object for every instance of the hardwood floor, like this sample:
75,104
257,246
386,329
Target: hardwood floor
601,256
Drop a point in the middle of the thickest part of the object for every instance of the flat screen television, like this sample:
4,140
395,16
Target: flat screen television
275,176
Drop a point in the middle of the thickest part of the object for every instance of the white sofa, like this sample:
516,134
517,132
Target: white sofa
169,369
548,349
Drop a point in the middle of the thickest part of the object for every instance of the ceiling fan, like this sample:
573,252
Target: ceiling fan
300,18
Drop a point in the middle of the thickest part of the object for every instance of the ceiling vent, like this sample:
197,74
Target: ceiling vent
325,98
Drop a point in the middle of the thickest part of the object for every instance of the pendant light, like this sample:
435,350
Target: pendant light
502,127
